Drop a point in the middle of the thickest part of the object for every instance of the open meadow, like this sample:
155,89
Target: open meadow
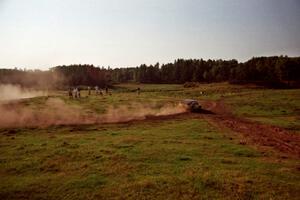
126,145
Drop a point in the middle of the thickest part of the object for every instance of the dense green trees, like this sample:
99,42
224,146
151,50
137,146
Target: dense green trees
74,75
58,77
274,71
182,71
270,70
37,78
262,70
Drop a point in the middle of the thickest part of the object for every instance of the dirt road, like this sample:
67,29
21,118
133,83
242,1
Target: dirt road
285,141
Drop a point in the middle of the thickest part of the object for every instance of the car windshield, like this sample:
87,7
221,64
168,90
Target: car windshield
190,101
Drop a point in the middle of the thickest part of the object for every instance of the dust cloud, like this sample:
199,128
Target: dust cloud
14,92
138,111
56,112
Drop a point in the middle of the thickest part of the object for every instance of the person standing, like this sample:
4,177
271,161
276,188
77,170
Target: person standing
70,93
78,93
96,90
89,90
74,93
138,90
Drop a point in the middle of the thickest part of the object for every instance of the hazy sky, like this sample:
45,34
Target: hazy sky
119,33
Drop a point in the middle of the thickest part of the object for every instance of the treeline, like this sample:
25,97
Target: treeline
264,70
273,71
31,78
74,75
58,77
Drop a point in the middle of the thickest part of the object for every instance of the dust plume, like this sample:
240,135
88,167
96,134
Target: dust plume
13,92
138,111
55,111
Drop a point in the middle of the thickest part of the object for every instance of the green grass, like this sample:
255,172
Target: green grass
170,159
275,107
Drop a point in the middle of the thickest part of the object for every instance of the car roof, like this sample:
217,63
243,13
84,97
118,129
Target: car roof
189,100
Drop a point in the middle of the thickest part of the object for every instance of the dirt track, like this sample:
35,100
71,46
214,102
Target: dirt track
279,139
285,141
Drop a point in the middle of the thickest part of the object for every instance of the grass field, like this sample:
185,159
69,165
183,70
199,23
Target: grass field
184,157
276,107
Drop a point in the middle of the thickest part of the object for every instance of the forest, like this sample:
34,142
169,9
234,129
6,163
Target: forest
273,71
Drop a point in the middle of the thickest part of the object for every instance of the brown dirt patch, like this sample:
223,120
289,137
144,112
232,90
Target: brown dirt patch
285,141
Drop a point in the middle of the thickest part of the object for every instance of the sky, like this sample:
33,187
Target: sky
39,34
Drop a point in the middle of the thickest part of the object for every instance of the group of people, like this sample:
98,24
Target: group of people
98,91
75,92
